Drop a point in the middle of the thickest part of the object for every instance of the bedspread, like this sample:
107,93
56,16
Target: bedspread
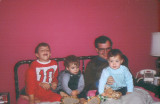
139,96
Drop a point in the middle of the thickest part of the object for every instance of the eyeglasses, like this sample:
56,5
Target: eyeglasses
104,49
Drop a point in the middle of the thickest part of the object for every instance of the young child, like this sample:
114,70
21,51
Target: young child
72,81
123,81
42,76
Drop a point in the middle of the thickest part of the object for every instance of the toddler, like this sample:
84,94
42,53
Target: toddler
71,79
123,81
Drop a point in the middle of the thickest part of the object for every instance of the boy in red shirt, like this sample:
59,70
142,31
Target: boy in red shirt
42,76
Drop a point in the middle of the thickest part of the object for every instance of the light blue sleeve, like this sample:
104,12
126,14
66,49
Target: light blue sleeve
129,80
103,81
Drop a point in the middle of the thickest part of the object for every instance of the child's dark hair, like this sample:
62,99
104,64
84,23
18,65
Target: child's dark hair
115,52
102,39
41,44
71,59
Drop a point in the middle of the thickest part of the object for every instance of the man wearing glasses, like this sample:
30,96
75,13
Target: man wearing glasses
94,68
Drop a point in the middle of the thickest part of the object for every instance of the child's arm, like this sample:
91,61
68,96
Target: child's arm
53,85
46,86
65,80
129,80
103,80
81,84
55,76
63,94
30,79
74,93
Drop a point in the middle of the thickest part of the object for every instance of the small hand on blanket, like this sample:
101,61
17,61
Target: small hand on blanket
111,93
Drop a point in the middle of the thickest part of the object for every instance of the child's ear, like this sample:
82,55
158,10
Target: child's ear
67,68
97,50
37,55
122,61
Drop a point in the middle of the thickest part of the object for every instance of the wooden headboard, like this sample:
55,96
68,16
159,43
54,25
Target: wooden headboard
20,63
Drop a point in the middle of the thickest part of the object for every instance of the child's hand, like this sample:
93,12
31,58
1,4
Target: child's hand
75,92
54,85
34,102
104,94
46,86
63,94
31,102
31,99
110,80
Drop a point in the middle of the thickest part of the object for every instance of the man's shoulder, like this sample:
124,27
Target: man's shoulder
97,61
92,63
94,60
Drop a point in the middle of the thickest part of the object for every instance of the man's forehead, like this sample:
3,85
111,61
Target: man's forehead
104,45
43,47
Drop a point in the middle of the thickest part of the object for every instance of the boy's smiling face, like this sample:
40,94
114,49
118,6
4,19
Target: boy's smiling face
43,54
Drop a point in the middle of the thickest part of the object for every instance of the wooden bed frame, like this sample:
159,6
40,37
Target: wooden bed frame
18,64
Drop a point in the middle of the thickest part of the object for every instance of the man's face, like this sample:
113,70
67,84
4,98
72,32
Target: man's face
103,49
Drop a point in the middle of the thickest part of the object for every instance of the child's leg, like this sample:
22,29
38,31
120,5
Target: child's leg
24,99
63,94
123,90
49,96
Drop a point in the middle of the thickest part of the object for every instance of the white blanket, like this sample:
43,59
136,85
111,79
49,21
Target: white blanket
49,103
139,96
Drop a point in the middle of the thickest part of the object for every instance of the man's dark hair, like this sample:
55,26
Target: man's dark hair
115,52
41,44
102,39
71,59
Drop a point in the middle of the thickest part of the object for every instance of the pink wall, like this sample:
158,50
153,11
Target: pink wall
70,27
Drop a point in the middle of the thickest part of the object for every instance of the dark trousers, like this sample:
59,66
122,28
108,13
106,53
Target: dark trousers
123,90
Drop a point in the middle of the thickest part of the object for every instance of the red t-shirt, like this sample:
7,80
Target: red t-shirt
41,72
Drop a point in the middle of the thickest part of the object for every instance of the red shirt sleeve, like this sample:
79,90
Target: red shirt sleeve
30,81
55,76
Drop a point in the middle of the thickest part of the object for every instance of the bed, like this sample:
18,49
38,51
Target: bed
21,66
